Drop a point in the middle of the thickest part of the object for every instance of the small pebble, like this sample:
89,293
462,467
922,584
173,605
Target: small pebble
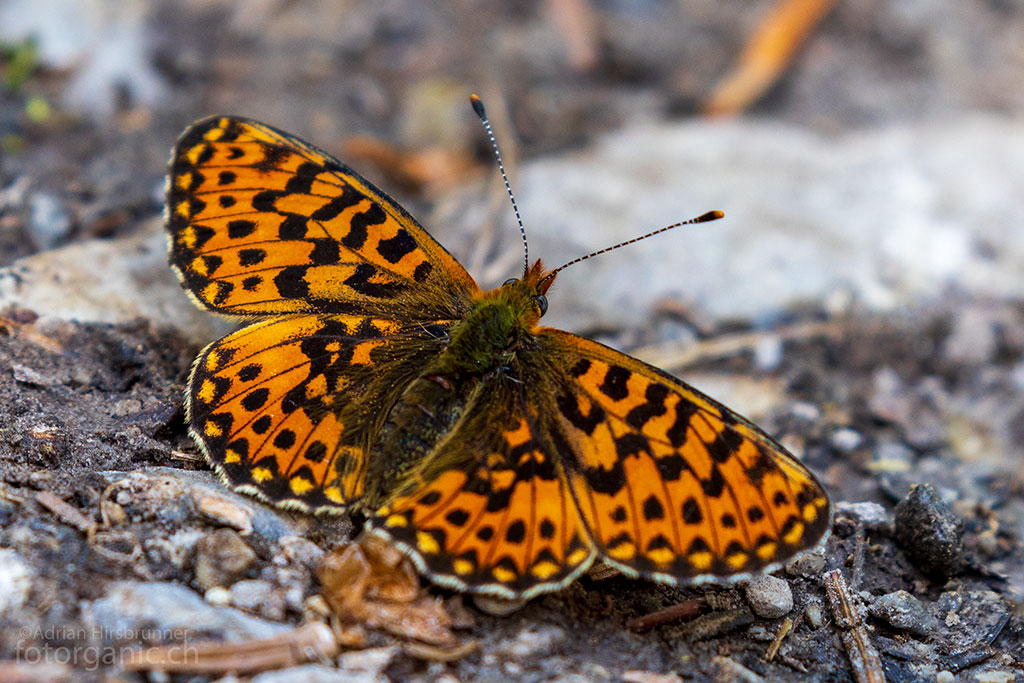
846,439
929,532
892,457
871,515
218,596
904,612
15,581
945,677
221,509
727,669
802,410
258,597
532,642
995,676
769,596
222,557
768,353
370,662
813,615
301,551
807,564
49,223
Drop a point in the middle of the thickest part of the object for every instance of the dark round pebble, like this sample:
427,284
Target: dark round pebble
929,533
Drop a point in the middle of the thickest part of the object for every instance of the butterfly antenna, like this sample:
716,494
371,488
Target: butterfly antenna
478,107
705,218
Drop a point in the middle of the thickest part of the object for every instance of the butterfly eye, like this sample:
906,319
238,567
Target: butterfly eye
542,303
509,281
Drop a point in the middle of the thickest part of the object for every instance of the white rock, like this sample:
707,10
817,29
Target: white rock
15,581
110,281
770,597
532,642
892,216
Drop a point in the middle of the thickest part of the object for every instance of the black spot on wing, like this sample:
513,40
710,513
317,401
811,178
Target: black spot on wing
291,282
360,282
250,372
580,368
422,271
547,529
652,407
570,410
691,511
285,439
212,263
325,252
631,444
238,229
316,451
516,532
262,424
293,227
714,484
251,257
301,181
255,399
725,445
457,517
614,385
653,509
685,410
333,208
396,248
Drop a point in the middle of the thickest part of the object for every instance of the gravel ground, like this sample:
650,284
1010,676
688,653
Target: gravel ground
114,534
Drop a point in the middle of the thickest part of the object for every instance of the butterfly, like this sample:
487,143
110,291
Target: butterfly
376,376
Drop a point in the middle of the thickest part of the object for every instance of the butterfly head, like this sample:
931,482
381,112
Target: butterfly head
527,295
501,321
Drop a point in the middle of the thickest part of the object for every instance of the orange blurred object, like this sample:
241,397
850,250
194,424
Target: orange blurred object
767,54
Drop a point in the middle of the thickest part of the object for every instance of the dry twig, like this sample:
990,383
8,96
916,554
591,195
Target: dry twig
683,610
867,667
784,628
311,642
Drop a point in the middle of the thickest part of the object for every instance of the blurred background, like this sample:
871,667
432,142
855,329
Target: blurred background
863,298
868,155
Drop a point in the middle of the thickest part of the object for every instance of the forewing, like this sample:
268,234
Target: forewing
262,223
488,510
671,485
285,409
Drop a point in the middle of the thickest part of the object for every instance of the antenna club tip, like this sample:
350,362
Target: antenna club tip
478,105
711,216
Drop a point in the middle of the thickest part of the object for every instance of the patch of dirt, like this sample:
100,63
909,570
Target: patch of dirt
87,399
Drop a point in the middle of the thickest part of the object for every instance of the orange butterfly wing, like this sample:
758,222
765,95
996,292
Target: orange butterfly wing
262,223
578,451
288,408
488,510
670,484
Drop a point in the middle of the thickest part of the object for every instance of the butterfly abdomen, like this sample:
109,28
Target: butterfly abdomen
424,414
